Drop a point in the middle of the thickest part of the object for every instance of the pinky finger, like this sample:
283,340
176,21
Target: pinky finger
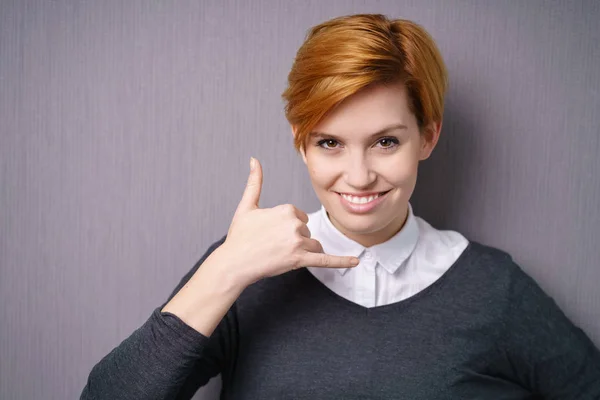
328,261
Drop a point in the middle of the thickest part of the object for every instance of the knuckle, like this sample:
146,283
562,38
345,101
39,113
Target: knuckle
298,225
289,209
252,181
283,209
297,242
304,215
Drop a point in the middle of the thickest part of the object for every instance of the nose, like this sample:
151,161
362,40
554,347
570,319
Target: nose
359,174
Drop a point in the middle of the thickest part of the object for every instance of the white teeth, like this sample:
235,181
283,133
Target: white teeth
359,200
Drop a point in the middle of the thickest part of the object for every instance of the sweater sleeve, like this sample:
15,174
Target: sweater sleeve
546,352
164,358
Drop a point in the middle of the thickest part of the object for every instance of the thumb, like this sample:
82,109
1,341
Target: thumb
251,195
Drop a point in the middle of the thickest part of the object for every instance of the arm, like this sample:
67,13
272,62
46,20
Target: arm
176,350
548,353
166,358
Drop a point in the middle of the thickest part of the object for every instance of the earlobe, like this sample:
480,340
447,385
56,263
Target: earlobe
425,152
429,139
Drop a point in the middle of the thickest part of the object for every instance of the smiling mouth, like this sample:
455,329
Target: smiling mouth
375,194
362,199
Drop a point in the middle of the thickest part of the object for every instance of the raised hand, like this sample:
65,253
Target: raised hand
265,242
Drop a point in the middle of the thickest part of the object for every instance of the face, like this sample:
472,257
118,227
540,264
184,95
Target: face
362,159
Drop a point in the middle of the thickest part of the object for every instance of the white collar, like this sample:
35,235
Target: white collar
390,254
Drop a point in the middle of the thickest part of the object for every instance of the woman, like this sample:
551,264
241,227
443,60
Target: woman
387,307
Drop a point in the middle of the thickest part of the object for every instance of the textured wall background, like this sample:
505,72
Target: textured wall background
126,128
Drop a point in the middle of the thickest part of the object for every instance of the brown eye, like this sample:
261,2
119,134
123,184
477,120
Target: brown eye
388,143
328,143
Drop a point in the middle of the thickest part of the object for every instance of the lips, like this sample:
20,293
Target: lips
364,194
362,208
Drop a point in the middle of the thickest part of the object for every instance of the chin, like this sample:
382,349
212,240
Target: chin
359,224
362,225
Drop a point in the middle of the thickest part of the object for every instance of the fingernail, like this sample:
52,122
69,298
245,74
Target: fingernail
252,163
355,261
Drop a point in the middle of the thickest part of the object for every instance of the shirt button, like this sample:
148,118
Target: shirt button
368,255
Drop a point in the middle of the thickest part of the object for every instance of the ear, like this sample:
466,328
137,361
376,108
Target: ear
302,150
429,139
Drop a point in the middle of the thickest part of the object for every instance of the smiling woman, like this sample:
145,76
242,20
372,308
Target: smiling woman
350,159
362,298
377,109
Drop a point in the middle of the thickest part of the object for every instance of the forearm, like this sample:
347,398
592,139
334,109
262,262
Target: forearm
153,362
205,299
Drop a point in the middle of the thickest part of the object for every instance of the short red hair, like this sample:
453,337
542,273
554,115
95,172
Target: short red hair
346,54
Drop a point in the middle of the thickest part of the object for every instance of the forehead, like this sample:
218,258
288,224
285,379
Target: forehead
368,111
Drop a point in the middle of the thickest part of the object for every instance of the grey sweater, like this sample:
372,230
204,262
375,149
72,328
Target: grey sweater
484,330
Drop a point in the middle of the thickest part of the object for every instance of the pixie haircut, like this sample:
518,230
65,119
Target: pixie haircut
341,56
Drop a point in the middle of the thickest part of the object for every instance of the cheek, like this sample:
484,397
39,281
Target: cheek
400,170
321,171
397,170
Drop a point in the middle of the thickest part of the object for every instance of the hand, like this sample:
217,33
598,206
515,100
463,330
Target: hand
271,241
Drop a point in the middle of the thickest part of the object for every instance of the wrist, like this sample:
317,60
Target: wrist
207,296
227,271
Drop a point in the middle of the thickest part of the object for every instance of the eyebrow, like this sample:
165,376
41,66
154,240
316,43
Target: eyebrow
371,136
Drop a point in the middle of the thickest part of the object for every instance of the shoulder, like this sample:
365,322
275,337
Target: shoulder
493,274
477,269
472,254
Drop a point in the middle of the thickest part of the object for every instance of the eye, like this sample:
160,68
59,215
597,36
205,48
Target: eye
327,143
388,143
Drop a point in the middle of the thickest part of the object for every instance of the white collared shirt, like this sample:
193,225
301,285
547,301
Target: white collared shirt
388,272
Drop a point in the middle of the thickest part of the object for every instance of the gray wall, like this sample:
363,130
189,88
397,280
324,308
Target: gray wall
126,128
